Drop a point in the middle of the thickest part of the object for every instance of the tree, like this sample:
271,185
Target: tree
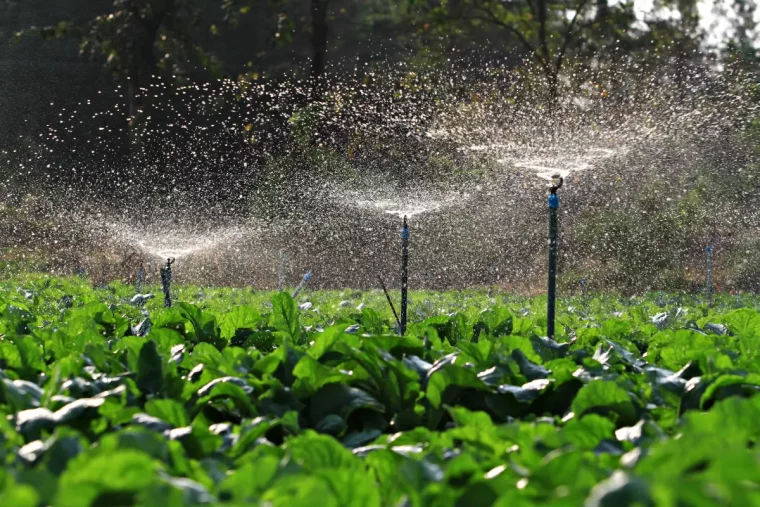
139,40
319,31
317,27
544,30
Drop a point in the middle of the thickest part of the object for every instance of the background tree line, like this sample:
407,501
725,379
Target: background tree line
128,42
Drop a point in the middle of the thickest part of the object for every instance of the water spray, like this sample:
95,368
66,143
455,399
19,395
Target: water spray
404,282
281,277
708,277
305,280
551,299
390,301
166,280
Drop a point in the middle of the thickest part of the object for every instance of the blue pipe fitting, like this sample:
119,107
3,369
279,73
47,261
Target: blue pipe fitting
553,201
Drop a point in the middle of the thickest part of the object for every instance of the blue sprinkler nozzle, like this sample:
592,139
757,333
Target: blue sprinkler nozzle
307,277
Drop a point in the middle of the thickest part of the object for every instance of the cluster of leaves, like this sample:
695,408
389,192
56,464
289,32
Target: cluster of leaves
217,402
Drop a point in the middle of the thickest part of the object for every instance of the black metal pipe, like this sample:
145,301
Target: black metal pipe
281,276
103,274
708,281
390,301
404,281
302,284
140,271
166,280
551,294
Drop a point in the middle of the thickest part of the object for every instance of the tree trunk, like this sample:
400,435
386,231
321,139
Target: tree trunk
552,77
542,37
142,68
319,44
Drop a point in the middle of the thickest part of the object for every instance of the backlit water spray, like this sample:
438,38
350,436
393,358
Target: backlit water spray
226,175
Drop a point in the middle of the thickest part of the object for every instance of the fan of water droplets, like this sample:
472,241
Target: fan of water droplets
242,170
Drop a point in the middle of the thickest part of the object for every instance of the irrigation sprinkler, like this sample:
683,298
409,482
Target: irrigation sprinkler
551,300
404,281
103,274
583,289
660,301
390,301
281,277
305,280
166,280
140,272
708,281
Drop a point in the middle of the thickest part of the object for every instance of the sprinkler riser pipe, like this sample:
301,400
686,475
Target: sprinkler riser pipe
303,282
708,276
390,301
551,294
139,279
281,277
404,275
166,280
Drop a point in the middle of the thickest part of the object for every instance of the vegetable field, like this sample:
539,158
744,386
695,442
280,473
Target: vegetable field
235,397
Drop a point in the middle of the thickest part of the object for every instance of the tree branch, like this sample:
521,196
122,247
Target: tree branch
542,15
492,18
568,34
531,7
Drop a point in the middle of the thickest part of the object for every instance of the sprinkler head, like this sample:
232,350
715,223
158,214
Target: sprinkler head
556,183
405,222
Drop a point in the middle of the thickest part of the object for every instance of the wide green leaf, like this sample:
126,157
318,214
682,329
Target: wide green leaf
606,398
